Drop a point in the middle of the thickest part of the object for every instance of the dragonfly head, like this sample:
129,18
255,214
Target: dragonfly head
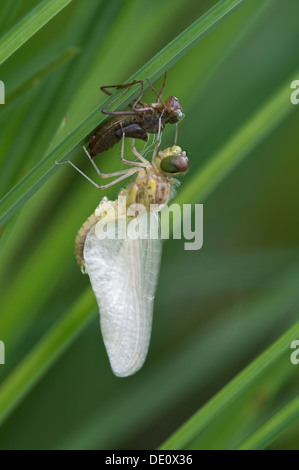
173,110
172,160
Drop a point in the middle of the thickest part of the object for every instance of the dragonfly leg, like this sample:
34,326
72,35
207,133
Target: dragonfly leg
144,107
156,93
122,85
126,174
158,142
104,175
128,86
176,133
163,87
143,163
133,106
159,135
138,155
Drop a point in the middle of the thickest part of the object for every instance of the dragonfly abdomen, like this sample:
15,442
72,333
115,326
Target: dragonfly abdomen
111,131
81,237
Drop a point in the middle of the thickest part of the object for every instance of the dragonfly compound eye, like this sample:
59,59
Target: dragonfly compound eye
175,164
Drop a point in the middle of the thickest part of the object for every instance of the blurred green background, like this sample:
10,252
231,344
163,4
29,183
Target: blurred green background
216,309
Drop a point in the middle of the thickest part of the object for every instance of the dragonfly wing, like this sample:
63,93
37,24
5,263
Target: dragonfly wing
123,275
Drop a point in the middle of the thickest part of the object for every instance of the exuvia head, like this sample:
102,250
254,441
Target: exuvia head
173,109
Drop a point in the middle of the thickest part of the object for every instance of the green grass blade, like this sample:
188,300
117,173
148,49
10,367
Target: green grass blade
214,408
273,428
42,356
155,67
29,25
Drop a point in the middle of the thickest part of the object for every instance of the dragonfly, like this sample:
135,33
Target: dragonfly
123,270
137,122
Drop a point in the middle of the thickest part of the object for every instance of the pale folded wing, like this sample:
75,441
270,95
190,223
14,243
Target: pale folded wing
124,275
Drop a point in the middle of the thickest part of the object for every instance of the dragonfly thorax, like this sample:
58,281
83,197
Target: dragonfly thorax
154,185
149,188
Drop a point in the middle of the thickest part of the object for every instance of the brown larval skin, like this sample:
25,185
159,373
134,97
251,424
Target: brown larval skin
135,126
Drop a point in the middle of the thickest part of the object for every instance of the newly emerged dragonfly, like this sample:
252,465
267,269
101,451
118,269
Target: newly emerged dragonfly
119,247
141,119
